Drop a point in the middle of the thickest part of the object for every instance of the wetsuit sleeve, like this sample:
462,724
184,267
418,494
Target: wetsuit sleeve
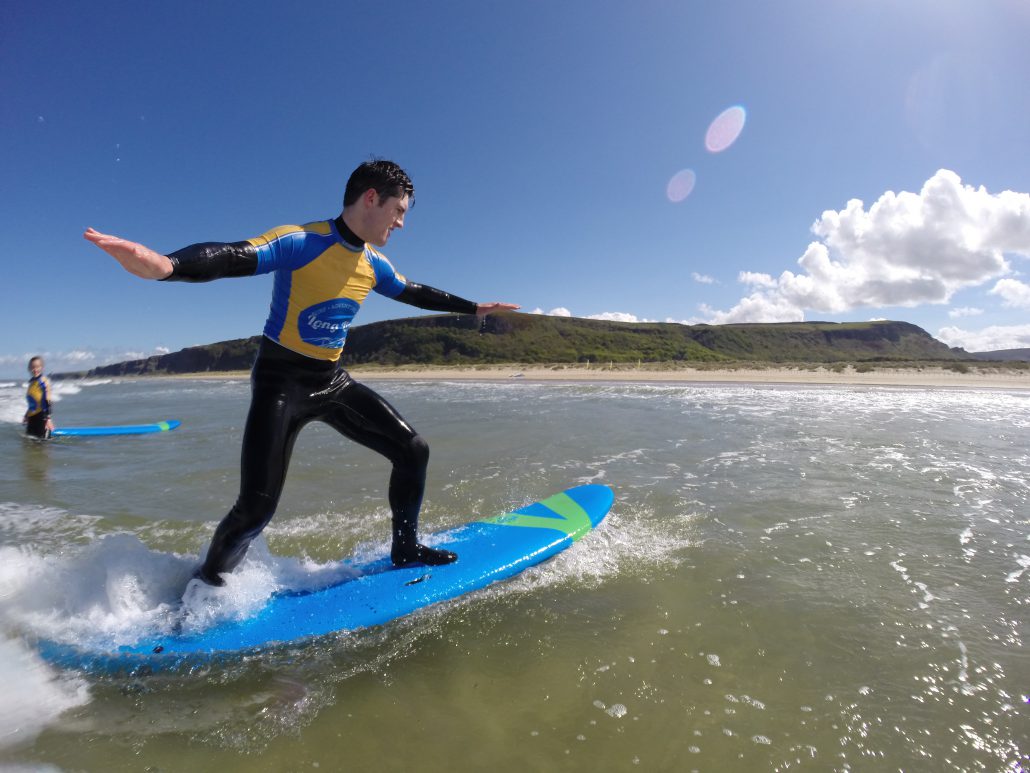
393,285
44,384
431,299
286,247
213,260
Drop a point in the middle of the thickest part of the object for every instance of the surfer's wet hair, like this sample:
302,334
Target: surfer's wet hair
386,177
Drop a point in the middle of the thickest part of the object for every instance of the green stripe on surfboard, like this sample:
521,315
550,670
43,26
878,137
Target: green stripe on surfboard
572,519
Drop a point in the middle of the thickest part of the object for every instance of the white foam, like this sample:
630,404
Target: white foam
35,523
622,542
616,710
1024,562
112,590
117,591
12,403
34,694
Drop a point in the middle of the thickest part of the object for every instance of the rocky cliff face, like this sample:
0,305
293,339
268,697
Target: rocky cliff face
237,354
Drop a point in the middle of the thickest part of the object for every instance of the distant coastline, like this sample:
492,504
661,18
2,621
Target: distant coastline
540,348
985,377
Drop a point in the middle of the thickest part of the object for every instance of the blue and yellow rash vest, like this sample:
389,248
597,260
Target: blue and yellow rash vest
321,279
320,283
38,396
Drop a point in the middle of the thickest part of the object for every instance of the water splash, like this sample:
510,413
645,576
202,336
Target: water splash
34,694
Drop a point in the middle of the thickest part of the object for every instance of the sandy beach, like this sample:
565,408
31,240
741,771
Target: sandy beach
985,377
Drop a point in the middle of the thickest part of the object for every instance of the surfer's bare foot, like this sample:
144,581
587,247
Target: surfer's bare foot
421,554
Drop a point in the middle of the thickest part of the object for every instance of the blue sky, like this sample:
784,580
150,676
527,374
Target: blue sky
542,138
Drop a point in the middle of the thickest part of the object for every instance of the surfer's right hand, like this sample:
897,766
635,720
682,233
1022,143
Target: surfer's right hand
134,257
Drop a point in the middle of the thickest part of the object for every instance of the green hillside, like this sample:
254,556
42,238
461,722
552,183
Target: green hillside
536,339
1004,355
824,342
527,338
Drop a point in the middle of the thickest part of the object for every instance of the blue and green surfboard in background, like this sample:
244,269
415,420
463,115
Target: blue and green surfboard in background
122,429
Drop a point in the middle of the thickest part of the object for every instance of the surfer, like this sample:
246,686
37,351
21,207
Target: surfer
37,419
323,272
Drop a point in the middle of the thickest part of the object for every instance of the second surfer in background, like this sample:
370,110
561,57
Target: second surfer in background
323,272
37,419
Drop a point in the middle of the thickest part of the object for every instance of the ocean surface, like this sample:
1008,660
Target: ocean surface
791,578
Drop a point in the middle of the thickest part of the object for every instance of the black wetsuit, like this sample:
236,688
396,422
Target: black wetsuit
289,389
36,426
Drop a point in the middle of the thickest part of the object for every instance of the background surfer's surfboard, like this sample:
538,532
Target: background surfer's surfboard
123,429
488,550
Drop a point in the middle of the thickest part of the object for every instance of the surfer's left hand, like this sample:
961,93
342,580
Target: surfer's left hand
135,258
489,308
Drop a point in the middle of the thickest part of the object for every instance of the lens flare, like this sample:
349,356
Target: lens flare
681,184
724,130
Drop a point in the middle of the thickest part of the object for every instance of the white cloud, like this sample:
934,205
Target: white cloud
759,307
987,340
907,249
1013,293
691,321
617,316
702,278
755,279
79,356
611,316
964,311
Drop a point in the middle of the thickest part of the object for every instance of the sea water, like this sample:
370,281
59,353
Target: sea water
814,578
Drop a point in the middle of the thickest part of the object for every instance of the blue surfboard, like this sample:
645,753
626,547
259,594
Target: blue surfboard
121,429
374,593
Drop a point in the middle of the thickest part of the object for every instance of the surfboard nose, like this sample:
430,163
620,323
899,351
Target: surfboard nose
595,498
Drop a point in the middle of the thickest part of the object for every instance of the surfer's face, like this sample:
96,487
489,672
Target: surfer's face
36,368
383,216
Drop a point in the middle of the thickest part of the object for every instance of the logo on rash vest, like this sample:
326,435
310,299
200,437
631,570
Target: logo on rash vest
325,324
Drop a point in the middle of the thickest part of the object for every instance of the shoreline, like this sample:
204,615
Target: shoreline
815,375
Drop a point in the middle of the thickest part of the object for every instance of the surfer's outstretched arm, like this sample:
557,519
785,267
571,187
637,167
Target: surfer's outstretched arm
196,263
431,299
134,257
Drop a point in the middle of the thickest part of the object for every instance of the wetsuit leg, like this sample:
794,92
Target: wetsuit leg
276,417
36,426
362,415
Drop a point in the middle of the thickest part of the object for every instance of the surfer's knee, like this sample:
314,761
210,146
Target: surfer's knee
417,451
